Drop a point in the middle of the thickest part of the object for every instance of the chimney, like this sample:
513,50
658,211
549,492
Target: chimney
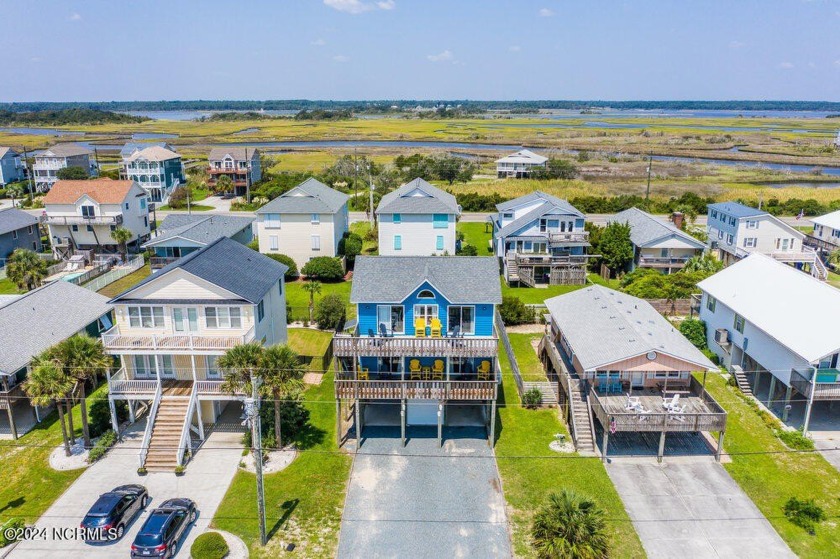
677,218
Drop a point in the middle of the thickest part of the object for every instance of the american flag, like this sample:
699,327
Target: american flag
801,214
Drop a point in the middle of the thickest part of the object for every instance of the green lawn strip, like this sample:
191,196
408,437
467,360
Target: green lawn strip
310,345
369,247
530,470
834,279
8,287
476,234
298,299
529,363
538,295
303,502
114,289
30,485
193,207
771,479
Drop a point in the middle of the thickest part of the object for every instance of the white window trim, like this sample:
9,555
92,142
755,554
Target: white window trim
219,316
435,314
140,316
315,241
389,324
449,326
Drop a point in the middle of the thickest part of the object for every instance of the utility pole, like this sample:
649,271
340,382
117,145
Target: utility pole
355,175
29,171
96,159
247,177
372,218
189,205
650,164
252,415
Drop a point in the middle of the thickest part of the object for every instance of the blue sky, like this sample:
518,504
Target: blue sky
420,49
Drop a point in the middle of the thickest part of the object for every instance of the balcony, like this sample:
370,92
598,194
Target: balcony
827,245
663,261
550,260
826,385
358,346
83,220
123,384
116,342
158,262
574,238
415,389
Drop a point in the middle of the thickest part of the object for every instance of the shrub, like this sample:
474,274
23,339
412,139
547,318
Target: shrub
106,441
794,439
293,418
329,312
99,416
467,250
514,311
695,331
72,173
532,399
178,198
323,268
569,525
209,545
254,245
350,246
292,272
805,514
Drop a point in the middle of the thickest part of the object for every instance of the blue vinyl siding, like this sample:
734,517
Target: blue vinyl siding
397,218
441,221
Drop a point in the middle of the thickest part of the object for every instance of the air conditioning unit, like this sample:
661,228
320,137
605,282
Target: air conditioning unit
722,336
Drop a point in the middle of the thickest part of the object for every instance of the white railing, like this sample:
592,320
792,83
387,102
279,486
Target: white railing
150,424
117,273
119,383
114,340
184,445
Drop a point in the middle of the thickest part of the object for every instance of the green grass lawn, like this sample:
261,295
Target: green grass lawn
530,470
538,295
114,289
771,479
529,363
477,235
30,485
834,279
8,287
194,207
361,228
303,502
310,345
298,299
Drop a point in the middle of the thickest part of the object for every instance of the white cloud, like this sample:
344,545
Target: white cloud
358,7
318,43
341,58
445,56
786,65
736,44
514,48
545,12
35,59
837,62
75,17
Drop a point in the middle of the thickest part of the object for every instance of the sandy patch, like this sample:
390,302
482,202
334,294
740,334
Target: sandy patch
275,460
77,459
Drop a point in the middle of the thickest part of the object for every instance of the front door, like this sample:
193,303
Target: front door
637,380
185,320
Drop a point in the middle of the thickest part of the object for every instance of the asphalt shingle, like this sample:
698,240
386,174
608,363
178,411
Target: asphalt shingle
310,196
405,200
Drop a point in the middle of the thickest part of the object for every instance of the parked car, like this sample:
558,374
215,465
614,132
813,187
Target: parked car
164,529
115,510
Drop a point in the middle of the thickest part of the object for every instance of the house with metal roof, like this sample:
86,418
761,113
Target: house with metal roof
616,355
170,329
240,164
60,156
736,231
423,346
18,229
181,234
307,221
12,168
750,310
51,314
541,240
658,244
519,165
156,167
826,234
417,219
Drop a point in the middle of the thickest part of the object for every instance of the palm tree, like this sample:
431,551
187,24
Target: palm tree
47,383
705,263
282,376
223,184
82,358
15,191
313,288
569,526
26,269
122,236
239,365
834,258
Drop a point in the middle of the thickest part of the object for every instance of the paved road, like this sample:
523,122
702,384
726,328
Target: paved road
206,481
422,501
691,508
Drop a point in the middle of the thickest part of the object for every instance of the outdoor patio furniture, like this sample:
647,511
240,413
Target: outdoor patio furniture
672,403
484,370
427,373
364,373
437,370
455,332
420,328
383,331
436,328
414,369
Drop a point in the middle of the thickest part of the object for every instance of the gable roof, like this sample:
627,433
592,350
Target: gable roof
44,317
65,150
460,279
227,264
523,156
131,147
736,209
646,230
433,200
539,195
237,153
831,220
752,286
604,326
102,191
152,153
12,219
7,151
549,204
201,229
310,196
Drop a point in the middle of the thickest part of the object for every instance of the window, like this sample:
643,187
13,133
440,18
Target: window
316,219
14,234
711,303
261,311
29,229
730,239
185,319
316,242
426,312
439,243
720,234
273,242
752,224
142,204
739,323
723,218
463,317
88,211
392,316
425,294
441,221
784,244
507,215
127,205
212,368
732,221
750,242
145,317
663,253
272,221
714,214
222,317
113,228
89,228
397,242
74,227
144,365
397,218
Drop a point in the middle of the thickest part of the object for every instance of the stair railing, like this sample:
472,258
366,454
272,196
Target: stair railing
150,424
185,445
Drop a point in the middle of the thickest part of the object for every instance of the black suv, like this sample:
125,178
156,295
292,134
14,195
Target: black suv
113,511
164,529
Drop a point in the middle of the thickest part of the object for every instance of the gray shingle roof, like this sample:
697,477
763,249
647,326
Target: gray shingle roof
131,147
7,150
12,219
44,317
238,153
67,150
401,200
736,209
201,229
604,326
310,196
461,279
549,203
646,230
539,195
229,265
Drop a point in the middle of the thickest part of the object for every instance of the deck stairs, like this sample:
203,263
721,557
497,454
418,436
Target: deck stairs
512,269
581,417
162,454
741,380
549,396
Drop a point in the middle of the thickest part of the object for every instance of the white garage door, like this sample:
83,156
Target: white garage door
422,412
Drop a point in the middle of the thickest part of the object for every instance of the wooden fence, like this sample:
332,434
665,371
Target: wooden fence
514,365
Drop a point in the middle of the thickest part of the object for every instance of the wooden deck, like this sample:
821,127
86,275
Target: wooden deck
415,389
358,346
116,342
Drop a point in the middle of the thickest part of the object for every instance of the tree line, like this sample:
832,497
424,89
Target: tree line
61,117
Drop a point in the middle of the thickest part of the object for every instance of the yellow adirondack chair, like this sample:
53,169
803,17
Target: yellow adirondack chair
484,370
364,373
420,328
438,369
436,327
414,369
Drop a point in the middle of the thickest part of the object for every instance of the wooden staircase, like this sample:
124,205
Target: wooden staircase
741,380
580,417
512,269
166,434
549,396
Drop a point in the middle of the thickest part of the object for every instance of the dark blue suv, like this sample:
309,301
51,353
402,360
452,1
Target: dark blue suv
164,529
113,511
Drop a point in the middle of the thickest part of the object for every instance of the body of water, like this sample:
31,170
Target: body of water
193,115
41,131
153,136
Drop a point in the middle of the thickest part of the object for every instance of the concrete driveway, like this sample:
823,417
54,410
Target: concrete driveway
206,481
424,501
691,507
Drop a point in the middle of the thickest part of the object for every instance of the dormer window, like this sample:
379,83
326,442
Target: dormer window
88,211
425,294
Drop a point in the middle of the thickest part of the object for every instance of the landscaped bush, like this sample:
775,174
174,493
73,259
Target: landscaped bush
292,272
514,311
695,331
178,198
106,441
254,245
532,398
209,545
323,268
467,250
330,312
569,525
99,416
794,439
293,418
805,514
350,246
